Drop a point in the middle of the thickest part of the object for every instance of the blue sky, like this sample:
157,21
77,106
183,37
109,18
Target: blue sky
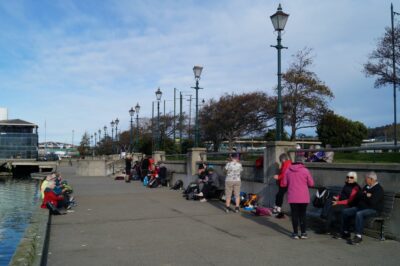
80,64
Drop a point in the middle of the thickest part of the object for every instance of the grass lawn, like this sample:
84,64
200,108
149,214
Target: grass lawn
356,157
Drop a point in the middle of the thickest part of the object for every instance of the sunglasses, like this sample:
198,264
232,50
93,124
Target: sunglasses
350,177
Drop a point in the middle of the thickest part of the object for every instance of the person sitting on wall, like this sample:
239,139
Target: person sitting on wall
371,204
51,200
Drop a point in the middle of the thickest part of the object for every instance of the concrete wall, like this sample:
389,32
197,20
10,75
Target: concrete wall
99,167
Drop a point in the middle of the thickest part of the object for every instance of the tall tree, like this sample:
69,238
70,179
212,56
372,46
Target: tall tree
380,64
234,116
339,131
305,97
84,145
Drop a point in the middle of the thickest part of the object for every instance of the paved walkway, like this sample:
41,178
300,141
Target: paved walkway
118,223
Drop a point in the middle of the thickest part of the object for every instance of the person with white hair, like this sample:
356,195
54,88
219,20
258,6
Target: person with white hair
348,197
370,205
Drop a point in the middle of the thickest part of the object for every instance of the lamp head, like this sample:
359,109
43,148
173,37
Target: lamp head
197,71
279,19
158,94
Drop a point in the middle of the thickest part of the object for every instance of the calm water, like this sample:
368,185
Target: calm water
18,199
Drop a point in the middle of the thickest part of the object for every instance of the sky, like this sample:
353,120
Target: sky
74,66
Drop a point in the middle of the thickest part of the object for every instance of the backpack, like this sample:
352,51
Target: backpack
262,211
192,187
321,197
178,185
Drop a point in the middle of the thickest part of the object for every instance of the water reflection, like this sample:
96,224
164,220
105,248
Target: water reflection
18,198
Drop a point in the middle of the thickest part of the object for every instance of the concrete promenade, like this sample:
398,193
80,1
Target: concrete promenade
118,223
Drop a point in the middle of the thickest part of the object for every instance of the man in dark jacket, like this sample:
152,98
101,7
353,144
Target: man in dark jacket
370,204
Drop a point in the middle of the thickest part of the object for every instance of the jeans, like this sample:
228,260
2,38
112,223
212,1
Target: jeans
360,216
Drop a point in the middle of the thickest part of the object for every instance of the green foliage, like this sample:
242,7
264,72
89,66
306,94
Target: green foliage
339,131
271,135
358,157
84,144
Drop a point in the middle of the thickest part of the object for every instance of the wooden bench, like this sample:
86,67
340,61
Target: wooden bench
389,198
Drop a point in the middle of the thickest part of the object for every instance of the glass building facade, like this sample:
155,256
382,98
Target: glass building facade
18,140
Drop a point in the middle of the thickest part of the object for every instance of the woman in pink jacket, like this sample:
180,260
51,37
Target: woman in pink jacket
298,179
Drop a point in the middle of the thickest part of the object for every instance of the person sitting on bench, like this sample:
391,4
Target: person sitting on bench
370,205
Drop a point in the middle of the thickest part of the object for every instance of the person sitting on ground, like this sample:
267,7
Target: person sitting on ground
371,204
348,197
51,197
153,176
285,163
209,186
233,182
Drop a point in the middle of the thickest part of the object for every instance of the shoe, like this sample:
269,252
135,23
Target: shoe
341,235
280,215
356,240
237,209
303,236
227,209
275,210
203,200
69,206
295,236
199,194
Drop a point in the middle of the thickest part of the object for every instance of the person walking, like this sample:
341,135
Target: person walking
298,179
232,182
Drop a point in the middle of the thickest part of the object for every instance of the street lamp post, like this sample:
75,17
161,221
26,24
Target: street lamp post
99,135
105,132
137,109
279,20
112,135
116,132
95,139
197,73
131,113
158,96
392,13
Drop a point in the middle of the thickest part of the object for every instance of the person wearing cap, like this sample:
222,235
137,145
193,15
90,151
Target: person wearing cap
210,184
233,182
370,205
348,197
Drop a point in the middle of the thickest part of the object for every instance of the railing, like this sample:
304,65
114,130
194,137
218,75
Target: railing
243,155
175,157
363,154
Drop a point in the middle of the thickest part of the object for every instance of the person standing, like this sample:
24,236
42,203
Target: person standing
128,168
232,182
285,163
298,179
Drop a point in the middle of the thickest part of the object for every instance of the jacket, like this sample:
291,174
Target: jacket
376,200
298,179
50,196
285,165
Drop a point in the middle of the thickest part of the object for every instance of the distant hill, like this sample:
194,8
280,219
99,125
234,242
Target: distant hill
384,133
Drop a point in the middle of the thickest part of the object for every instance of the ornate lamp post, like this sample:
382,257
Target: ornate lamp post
394,74
116,131
158,96
99,135
279,20
137,109
197,73
131,113
95,139
112,135
105,132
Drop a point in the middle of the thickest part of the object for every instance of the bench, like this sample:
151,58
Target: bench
389,198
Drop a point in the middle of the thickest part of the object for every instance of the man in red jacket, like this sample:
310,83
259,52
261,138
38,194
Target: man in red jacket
285,163
51,197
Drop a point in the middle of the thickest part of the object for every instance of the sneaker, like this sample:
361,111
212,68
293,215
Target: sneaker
227,209
237,209
203,200
356,240
303,236
341,235
275,210
280,215
295,236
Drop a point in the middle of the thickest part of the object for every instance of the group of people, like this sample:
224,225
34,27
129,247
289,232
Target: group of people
56,194
147,171
353,202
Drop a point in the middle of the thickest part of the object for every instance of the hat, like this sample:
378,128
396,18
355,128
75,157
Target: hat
210,168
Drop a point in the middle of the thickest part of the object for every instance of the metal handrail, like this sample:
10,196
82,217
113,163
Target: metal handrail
364,148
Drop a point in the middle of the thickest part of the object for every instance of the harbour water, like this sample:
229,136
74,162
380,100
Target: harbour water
18,200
